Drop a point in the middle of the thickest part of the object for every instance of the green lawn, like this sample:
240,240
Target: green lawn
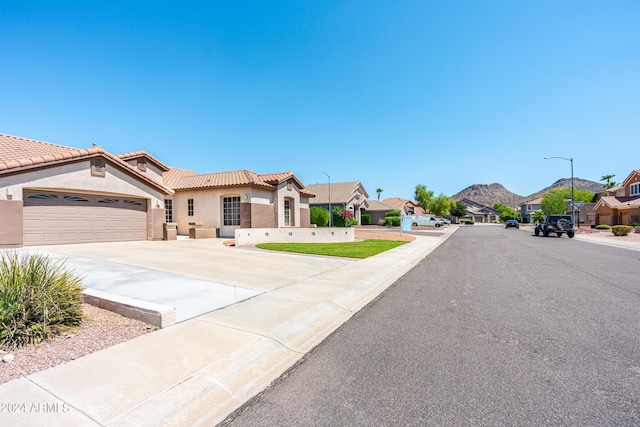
363,249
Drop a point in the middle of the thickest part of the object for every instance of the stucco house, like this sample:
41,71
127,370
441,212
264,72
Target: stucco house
54,194
236,199
350,196
478,212
622,207
404,206
528,208
377,210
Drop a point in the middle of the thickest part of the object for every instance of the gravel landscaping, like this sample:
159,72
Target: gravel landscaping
100,329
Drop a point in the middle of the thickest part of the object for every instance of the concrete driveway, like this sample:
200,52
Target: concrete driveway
193,276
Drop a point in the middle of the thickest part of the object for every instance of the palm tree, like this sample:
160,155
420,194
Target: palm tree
379,190
609,183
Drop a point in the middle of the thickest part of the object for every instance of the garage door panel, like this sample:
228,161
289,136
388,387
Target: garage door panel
56,218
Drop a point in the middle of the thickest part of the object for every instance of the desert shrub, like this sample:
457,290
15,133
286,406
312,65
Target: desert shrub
382,222
603,227
342,218
319,216
366,219
388,221
39,298
394,213
395,221
467,221
354,221
621,230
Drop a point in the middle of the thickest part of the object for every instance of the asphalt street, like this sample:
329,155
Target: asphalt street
497,327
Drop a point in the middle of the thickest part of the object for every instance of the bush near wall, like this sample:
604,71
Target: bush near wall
621,230
39,298
342,218
366,219
467,222
393,213
603,227
319,216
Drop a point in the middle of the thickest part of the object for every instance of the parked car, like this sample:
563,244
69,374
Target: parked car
446,221
428,220
558,224
512,223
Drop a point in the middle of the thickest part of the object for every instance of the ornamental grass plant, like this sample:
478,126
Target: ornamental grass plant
39,298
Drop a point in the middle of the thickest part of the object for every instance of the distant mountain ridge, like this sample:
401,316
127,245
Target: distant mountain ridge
490,194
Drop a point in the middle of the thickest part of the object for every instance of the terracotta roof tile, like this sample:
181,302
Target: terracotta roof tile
17,152
142,153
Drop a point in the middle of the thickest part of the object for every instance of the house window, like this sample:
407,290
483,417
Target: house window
231,210
635,189
142,165
168,210
189,207
529,207
287,212
97,167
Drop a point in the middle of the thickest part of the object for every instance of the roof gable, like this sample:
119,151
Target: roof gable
144,155
21,154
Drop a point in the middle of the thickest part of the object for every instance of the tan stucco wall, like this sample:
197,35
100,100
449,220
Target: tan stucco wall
305,218
627,188
11,229
293,194
207,206
262,216
158,218
76,178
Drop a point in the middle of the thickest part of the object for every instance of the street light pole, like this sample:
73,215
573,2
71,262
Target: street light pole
573,209
330,214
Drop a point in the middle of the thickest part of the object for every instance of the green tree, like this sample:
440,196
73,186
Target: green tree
506,212
423,196
553,202
379,190
458,210
537,216
441,205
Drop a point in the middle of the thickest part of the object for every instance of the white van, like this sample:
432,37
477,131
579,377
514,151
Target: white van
428,220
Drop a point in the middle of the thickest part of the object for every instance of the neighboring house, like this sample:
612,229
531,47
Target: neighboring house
479,213
528,208
350,196
53,194
378,211
237,199
622,208
404,206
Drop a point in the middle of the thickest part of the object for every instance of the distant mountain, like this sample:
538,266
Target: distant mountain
491,194
578,183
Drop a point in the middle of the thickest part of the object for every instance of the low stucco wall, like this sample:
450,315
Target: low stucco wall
253,236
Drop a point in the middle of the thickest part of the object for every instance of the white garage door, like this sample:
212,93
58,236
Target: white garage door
52,218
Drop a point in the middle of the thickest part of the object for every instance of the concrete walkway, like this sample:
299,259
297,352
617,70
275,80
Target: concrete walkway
202,369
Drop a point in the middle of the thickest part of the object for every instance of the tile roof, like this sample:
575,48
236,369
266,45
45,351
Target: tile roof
341,192
18,154
180,179
619,202
377,206
142,153
534,202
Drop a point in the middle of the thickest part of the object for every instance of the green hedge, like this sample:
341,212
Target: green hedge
366,219
603,227
394,213
467,222
319,216
621,230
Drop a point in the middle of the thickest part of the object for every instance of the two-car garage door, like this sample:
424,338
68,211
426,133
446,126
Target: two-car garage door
56,218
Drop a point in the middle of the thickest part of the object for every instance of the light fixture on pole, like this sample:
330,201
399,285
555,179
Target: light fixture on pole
330,214
573,215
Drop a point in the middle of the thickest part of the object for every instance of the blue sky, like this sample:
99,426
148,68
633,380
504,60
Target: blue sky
391,93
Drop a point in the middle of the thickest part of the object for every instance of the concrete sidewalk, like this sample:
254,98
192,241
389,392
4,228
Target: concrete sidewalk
202,369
